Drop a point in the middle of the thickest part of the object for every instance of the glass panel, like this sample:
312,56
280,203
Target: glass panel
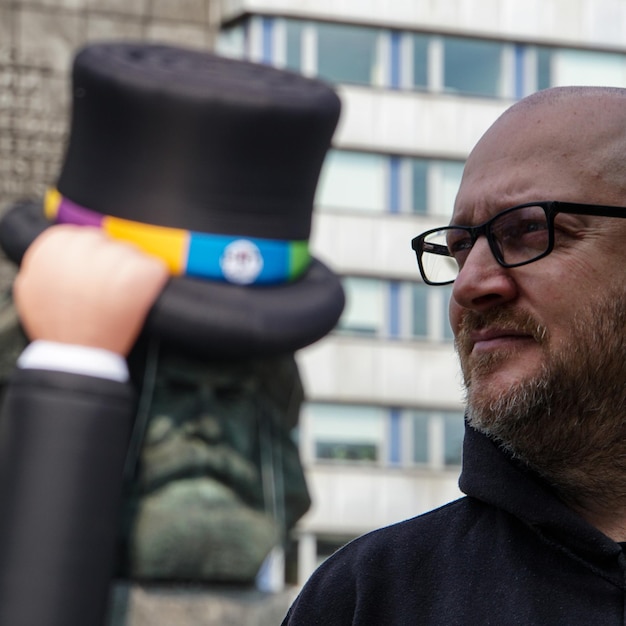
583,67
472,66
544,72
347,432
451,173
420,60
419,180
447,329
454,431
365,306
353,180
293,36
419,312
420,436
347,53
231,42
327,546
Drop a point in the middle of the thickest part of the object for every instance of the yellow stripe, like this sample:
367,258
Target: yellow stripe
170,244
51,204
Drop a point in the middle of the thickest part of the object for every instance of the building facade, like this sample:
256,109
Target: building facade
420,82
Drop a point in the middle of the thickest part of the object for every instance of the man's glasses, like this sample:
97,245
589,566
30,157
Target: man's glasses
517,236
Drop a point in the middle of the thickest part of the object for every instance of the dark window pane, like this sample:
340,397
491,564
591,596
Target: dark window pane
294,45
472,67
454,430
419,175
346,53
345,451
419,312
544,74
420,60
420,437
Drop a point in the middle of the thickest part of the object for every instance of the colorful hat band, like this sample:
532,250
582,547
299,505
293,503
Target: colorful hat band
240,260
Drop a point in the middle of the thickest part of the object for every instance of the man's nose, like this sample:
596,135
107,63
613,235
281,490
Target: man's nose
482,282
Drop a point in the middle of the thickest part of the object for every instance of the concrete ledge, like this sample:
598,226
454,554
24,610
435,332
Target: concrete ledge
164,605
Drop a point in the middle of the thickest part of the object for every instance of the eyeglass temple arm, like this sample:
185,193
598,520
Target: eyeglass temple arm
599,210
435,248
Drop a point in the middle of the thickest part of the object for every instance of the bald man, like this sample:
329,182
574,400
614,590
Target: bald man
536,255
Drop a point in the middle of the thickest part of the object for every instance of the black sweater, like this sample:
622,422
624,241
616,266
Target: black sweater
510,552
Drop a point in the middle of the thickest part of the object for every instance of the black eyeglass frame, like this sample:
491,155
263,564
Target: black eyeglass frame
551,208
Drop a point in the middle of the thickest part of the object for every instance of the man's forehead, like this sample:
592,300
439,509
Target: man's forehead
548,145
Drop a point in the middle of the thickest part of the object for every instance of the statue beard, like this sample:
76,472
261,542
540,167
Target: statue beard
567,422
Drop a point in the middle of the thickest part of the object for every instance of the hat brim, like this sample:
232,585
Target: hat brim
214,319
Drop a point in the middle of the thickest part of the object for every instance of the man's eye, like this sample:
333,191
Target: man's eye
459,246
519,230
534,226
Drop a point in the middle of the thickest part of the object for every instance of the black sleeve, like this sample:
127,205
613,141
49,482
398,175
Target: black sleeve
63,441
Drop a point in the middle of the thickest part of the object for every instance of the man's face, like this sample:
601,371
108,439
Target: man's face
512,324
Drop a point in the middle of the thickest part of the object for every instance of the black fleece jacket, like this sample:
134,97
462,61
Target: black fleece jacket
510,552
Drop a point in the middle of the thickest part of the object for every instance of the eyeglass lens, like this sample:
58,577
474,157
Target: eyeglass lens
515,236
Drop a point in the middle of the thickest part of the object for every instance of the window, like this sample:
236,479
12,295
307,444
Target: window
544,74
363,181
346,433
444,181
436,437
472,66
232,41
366,306
420,60
293,37
327,545
354,180
420,309
436,62
348,54
395,309
419,185
579,67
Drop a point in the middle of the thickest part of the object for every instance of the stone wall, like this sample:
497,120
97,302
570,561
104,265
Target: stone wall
38,39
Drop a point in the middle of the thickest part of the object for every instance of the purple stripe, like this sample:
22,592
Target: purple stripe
70,213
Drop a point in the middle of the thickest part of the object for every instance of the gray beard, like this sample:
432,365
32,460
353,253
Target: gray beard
568,422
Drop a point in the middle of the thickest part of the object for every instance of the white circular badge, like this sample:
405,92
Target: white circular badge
241,262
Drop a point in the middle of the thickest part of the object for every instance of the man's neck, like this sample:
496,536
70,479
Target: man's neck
611,523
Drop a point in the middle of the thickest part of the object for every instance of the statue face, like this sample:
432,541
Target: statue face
200,507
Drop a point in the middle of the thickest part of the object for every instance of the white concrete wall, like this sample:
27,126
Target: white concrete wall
378,244
358,499
595,23
412,374
413,123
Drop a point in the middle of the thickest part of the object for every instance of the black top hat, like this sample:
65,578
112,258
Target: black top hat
211,163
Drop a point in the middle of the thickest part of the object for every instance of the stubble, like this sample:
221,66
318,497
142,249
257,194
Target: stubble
567,421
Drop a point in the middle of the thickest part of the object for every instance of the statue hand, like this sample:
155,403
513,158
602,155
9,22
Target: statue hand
76,285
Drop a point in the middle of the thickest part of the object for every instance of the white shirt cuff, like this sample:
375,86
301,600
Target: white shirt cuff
74,359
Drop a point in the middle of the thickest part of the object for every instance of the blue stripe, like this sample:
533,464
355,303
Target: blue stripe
395,437
394,309
239,260
267,30
520,73
395,61
394,184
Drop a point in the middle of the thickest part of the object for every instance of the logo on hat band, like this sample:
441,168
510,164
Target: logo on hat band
230,258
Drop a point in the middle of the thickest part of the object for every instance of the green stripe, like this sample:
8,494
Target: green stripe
299,258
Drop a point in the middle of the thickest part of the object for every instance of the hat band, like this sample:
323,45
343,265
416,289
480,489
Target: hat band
230,258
